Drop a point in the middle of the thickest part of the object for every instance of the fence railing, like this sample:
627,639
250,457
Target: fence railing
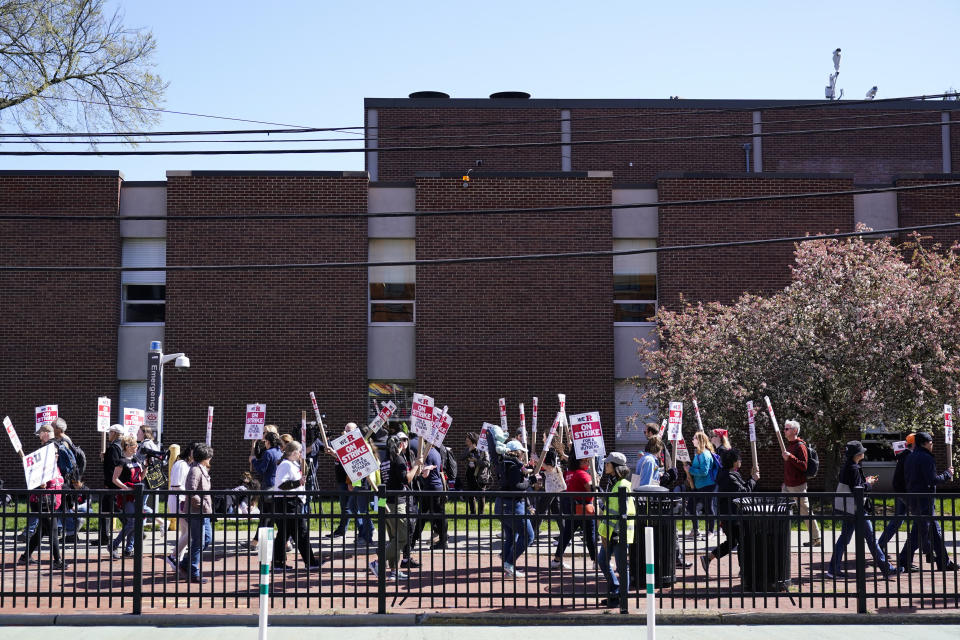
369,551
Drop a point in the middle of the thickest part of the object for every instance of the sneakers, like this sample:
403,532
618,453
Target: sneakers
398,575
409,563
950,566
171,562
116,554
23,559
337,533
834,575
556,564
812,543
705,562
511,570
375,568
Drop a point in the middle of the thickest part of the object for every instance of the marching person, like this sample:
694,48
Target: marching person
851,477
615,467
703,469
126,476
199,504
648,466
729,480
477,473
578,480
399,472
265,466
516,528
432,498
176,504
111,460
922,477
48,504
795,459
349,506
899,486
293,522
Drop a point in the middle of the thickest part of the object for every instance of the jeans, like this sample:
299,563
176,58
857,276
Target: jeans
71,518
127,533
364,522
607,552
572,522
348,507
840,548
517,532
198,540
924,533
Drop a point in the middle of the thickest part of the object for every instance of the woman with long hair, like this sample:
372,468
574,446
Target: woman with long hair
176,506
292,522
611,543
703,470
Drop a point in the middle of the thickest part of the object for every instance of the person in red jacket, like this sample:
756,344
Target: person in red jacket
795,475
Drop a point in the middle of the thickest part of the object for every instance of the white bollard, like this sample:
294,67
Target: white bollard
651,600
265,536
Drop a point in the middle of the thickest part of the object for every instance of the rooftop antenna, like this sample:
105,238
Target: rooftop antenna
830,91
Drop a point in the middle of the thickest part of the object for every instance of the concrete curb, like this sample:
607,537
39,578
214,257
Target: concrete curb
705,618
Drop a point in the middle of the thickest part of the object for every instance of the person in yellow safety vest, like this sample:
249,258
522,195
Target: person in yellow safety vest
615,466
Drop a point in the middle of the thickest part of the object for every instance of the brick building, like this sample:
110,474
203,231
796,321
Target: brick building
465,333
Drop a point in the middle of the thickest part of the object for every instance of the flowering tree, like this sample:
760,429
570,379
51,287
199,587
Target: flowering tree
861,337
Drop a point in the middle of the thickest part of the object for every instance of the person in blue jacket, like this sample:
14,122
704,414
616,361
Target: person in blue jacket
704,469
920,470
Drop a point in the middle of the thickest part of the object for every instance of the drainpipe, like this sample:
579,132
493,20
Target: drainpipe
747,148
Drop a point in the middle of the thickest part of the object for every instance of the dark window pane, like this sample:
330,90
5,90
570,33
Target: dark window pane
146,292
145,312
634,287
392,291
391,312
634,312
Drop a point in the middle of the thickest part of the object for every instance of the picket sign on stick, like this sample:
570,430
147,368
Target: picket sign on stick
256,420
12,433
316,412
523,427
696,411
533,424
303,440
776,426
40,467
421,416
46,413
431,434
132,420
103,414
564,422
752,425
948,432
482,441
209,425
548,442
355,455
663,427
383,415
503,415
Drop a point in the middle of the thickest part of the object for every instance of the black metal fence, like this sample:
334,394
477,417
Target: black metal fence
759,553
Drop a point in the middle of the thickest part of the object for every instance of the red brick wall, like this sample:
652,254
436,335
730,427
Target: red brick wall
58,330
264,336
515,329
722,275
930,206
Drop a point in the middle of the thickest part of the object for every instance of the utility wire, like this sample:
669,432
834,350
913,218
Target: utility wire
472,147
479,212
484,259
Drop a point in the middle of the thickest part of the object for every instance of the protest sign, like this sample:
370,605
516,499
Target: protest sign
548,441
421,415
675,421
132,421
12,433
523,427
40,466
533,421
683,455
355,455
316,412
776,426
441,424
255,422
663,427
209,425
752,424
383,415
899,447
696,412
503,415
948,425
587,435
46,413
103,414
482,441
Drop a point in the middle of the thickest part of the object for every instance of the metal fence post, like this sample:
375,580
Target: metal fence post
623,562
382,548
860,546
138,550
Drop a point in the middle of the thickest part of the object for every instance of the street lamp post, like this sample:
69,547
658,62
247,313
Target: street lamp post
153,415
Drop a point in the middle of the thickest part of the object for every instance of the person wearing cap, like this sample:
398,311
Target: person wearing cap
729,480
899,486
48,504
111,460
851,477
399,471
515,526
921,475
615,467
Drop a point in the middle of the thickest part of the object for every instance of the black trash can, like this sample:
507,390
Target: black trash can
765,548
657,510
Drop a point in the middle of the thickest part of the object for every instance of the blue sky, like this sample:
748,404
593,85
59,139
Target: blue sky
313,63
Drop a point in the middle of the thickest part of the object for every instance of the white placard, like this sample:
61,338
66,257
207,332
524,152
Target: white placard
384,414
663,427
533,420
103,414
421,415
899,447
948,425
773,417
562,397
683,455
12,433
46,413
132,421
696,412
441,424
303,434
355,455
553,431
675,421
40,467
523,426
751,421
209,425
587,435
255,421
482,441
503,415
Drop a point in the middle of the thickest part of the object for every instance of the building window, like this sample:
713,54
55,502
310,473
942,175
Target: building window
144,293
634,283
401,393
392,289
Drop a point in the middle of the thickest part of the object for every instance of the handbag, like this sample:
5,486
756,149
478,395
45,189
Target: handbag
841,503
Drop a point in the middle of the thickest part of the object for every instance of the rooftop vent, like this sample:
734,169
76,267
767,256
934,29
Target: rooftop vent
510,95
436,95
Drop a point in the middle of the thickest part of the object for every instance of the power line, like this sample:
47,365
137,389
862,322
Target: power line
477,212
472,147
484,259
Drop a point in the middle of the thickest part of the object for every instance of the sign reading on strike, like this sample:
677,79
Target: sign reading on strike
587,435
751,421
441,424
482,442
12,433
421,415
355,455
503,415
947,424
256,420
674,421
899,447
663,427
683,455
132,421
103,414
40,466
46,413
386,411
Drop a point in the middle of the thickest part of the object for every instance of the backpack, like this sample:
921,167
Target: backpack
483,473
81,460
450,463
715,467
813,461
66,461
